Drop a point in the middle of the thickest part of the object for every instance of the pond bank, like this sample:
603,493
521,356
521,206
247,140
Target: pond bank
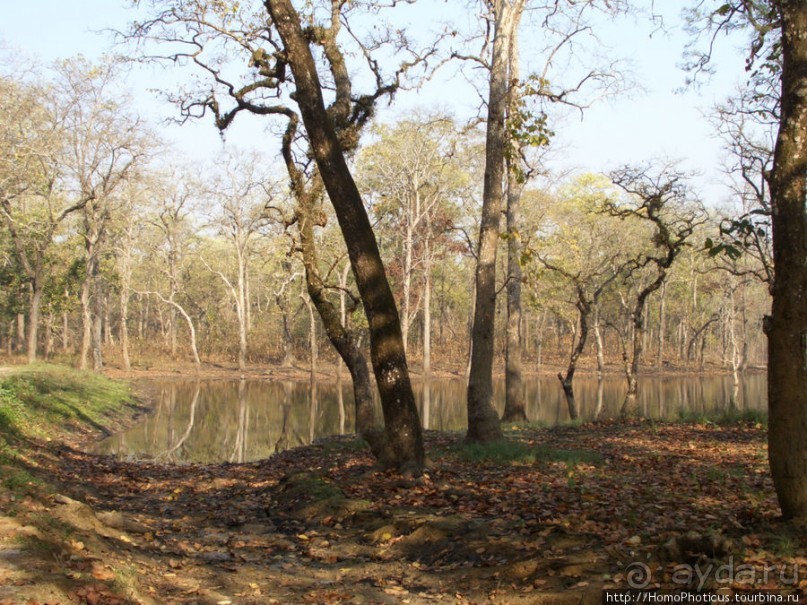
553,515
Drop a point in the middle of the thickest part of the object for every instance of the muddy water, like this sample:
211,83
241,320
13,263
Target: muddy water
238,421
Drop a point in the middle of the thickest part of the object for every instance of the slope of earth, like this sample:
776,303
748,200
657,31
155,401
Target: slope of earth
553,515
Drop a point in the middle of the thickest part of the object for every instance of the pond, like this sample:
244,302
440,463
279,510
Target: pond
238,421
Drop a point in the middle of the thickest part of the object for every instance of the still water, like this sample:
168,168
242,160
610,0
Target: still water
239,421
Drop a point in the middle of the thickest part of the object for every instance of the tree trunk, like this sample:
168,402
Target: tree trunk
662,319
630,405
20,332
787,329
514,405
402,424
33,319
49,336
86,322
407,279
598,342
427,316
242,301
332,320
124,325
483,422
567,381
97,324
65,328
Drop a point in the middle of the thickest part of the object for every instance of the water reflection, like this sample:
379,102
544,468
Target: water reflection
238,421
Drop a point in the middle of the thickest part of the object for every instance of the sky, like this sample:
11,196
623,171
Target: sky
653,122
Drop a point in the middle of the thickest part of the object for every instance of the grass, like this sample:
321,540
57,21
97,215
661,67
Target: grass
41,401
45,402
516,452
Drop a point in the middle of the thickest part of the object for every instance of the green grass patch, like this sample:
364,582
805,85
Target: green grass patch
45,401
516,452
48,402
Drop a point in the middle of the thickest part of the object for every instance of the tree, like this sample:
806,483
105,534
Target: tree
329,131
240,194
412,178
587,250
483,421
777,61
787,330
662,201
105,143
33,204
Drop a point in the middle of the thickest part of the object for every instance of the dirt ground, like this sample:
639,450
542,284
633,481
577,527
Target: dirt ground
554,517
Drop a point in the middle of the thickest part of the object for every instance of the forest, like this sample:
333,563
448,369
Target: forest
425,245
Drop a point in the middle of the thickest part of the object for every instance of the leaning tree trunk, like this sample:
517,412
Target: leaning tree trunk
337,333
787,329
402,424
483,422
567,380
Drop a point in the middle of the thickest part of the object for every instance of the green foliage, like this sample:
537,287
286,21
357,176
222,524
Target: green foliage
738,236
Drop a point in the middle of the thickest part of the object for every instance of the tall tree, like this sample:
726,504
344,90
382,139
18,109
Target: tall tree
412,179
33,203
787,330
483,421
289,64
777,61
106,142
587,250
239,193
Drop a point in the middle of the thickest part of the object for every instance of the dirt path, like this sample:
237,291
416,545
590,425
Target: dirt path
556,519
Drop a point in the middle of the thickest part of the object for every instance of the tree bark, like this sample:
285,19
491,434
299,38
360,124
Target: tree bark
97,324
567,380
483,422
402,424
514,405
787,328
662,319
33,319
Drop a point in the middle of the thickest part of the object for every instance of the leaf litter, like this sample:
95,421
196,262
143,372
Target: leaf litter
572,512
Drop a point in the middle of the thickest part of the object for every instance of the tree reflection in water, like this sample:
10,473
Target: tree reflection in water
211,421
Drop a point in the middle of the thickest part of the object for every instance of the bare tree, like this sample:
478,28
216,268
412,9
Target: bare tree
662,200
240,194
105,143
280,53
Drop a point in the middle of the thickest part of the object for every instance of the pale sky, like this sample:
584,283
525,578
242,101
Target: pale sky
656,123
